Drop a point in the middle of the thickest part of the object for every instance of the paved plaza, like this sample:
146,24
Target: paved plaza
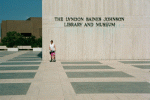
24,76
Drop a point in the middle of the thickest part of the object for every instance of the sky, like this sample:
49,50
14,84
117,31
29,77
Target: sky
19,9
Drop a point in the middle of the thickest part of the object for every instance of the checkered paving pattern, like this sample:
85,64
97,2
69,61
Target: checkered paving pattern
24,77
21,67
81,77
5,53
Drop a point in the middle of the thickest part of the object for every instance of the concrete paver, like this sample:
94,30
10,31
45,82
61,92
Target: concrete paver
97,74
20,68
88,67
111,87
142,66
14,88
52,83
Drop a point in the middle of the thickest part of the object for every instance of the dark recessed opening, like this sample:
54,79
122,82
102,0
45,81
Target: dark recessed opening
26,34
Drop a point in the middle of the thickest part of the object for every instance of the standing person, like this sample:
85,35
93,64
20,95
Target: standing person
52,49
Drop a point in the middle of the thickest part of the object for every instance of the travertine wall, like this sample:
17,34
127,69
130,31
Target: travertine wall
130,39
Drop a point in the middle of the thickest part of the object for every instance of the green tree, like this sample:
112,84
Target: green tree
11,39
39,42
16,39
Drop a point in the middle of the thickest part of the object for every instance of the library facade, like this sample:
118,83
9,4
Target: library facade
96,29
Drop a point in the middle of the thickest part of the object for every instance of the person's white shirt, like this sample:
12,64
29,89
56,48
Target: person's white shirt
52,46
